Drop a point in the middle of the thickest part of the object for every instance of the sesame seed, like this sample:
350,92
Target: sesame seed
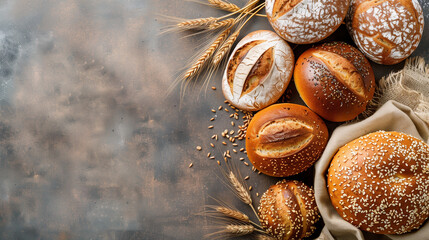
199,148
190,165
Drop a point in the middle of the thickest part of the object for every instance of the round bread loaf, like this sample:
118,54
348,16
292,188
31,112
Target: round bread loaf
335,80
285,139
288,210
387,31
258,71
380,182
305,21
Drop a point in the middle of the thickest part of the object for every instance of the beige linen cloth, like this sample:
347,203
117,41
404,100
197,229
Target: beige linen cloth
407,113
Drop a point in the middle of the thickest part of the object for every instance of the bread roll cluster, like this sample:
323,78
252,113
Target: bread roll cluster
380,182
258,72
288,210
285,139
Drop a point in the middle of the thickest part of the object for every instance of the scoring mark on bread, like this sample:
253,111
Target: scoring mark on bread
283,137
343,70
238,57
283,6
259,71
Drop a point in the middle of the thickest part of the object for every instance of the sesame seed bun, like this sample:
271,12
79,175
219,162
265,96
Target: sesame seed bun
288,210
380,182
335,80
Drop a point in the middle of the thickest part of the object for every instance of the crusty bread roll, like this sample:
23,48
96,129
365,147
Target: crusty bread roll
380,182
305,21
335,80
259,71
285,139
288,210
387,31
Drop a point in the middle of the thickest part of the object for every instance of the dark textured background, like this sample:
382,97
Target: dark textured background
90,146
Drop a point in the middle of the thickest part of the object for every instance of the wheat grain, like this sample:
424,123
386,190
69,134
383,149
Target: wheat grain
239,230
230,7
233,214
241,191
206,55
199,22
225,23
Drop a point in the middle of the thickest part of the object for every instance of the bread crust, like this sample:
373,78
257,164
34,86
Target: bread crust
380,182
258,71
288,210
386,31
335,80
285,139
305,21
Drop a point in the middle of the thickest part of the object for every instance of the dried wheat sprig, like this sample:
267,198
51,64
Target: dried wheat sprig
241,191
206,54
232,213
197,23
226,47
225,23
239,230
227,6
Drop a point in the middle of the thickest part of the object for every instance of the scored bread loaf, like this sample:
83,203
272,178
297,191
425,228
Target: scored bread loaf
288,210
386,31
380,182
285,139
335,80
305,21
258,71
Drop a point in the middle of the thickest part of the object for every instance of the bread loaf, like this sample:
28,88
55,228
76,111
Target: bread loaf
305,21
288,210
285,139
386,31
335,80
380,182
258,72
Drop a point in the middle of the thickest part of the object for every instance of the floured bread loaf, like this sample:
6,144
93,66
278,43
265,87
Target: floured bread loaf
335,80
258,71
305,21
386,31
285,139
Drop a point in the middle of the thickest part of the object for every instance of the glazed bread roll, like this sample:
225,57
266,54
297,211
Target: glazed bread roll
288,210
387,31
380,182
335,80
285,139
305,21
258,71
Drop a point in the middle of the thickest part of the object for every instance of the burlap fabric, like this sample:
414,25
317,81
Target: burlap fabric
404,101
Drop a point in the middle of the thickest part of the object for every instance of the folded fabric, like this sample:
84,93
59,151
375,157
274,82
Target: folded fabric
392,116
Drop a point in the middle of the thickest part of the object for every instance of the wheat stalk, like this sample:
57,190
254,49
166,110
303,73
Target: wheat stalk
233,213
225,23
226,46
230,7
241,191
239,230
195,23
206,54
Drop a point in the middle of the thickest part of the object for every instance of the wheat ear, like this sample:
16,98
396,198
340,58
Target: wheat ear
230,7
206,54
239,230
196,23
226,46
233,214
225,23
